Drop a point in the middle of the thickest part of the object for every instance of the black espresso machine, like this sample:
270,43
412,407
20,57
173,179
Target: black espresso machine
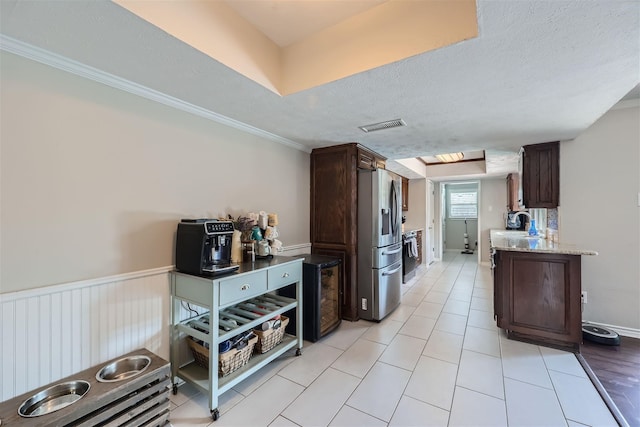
203,247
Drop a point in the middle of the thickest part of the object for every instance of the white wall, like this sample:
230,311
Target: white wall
417,213
599,190
493,202
94,180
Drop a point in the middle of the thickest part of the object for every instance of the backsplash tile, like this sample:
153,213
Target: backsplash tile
552,218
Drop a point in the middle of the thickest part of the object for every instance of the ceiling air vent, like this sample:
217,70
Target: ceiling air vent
383,125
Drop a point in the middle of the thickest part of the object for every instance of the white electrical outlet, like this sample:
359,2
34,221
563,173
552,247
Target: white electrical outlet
583,297
364,304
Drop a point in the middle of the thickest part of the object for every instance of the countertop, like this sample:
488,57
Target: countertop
248,266
409,230
519,241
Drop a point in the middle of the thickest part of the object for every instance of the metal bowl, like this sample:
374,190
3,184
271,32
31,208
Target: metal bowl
53,398
123,369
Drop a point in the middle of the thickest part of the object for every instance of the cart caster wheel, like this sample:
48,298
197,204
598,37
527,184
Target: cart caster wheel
175,389
298,352
215,414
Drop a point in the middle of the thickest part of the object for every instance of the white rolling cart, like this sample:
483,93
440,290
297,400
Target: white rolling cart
249,297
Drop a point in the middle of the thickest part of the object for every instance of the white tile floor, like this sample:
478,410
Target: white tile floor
438,360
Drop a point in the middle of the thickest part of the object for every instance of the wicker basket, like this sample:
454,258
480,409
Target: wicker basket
228,361
271,337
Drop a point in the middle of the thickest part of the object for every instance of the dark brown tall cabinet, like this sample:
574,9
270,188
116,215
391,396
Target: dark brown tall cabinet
334,207
541,175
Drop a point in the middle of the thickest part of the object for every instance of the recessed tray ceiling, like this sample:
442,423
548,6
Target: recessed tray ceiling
389,32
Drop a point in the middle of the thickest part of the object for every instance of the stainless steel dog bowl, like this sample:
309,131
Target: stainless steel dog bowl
122,369
54,398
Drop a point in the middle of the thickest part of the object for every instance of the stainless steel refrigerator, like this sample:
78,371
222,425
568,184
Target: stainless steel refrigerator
379,243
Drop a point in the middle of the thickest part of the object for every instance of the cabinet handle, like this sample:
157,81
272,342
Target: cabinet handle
285,275
245,287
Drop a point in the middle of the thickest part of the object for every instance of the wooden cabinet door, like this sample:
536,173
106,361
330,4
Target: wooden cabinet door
541,296
366,160
498,285
333,198
405,194
513,202
541,175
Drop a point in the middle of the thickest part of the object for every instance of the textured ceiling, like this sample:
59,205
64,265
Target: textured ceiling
538,71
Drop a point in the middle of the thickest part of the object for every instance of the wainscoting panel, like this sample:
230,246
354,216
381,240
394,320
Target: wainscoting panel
50,333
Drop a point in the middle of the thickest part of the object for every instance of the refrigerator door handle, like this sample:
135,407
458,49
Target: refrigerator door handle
394,208
395,251
392,272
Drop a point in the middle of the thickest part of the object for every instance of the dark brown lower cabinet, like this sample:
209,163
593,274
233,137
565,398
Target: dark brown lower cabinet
537,297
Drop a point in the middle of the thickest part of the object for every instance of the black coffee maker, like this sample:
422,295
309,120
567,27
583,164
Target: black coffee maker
203,247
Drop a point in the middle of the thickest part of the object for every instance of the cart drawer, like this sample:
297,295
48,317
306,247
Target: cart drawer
243,287
284,275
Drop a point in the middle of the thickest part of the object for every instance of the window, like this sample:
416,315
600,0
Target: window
463,204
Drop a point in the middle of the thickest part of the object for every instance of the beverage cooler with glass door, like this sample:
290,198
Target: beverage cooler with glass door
322,284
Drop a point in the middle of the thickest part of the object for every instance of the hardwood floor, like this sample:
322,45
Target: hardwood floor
618,370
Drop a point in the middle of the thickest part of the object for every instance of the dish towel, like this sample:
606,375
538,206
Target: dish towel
412,247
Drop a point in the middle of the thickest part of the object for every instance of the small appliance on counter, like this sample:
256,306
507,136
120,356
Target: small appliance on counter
203,247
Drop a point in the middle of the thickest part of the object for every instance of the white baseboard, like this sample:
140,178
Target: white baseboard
621,330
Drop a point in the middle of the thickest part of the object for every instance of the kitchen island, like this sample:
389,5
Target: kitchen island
537,288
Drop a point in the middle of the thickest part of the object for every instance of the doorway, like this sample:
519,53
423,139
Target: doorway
458,215
431,221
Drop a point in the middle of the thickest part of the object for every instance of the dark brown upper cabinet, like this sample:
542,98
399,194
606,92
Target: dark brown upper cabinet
541,175
513,184
405,194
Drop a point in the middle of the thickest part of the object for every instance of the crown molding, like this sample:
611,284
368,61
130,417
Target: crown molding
60,62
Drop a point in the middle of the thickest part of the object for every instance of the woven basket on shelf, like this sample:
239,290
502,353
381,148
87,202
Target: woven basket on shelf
228,361
271,337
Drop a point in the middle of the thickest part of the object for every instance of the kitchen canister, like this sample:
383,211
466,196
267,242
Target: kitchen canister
270,233
236,246
256,233
263,220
